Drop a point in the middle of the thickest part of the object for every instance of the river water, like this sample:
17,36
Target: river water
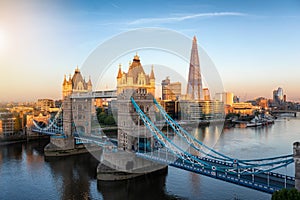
25,174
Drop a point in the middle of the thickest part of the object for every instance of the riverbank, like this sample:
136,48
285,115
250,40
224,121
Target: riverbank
20,139
11,142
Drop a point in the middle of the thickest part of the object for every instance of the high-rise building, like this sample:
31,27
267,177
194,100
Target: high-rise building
278,96
200,110
194,106
7,123
236,99
170,91
165,90
262,102
225,97
206,94
45,104
194,86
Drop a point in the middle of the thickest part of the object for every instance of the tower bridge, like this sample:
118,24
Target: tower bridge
138,134
292,112
256,174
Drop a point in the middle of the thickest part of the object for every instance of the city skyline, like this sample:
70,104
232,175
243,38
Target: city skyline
42,41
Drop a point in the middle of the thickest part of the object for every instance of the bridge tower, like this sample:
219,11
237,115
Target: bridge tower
80,105
132,133
296,150
77,112
78,108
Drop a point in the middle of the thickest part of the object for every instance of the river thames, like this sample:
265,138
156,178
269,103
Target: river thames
25,174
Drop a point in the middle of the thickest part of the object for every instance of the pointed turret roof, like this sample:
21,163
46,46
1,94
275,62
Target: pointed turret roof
135,63
120,71
152,73
65,80
90,81
135,68
77,77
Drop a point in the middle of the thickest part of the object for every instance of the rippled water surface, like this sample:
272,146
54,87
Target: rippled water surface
25,174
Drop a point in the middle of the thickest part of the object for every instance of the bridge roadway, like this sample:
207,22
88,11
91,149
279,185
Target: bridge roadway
41,131
100,140
268,182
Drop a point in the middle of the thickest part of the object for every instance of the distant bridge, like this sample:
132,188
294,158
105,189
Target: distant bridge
294,112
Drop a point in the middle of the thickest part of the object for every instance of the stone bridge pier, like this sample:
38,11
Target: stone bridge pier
296,151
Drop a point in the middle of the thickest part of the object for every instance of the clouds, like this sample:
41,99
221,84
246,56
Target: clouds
164,20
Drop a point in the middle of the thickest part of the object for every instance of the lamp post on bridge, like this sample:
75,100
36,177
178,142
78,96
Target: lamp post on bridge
296,150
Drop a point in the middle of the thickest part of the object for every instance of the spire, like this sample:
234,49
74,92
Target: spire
77,69
65,80
135,62
194,39
120,71
136,58
152,73
194,87
90,81
89,84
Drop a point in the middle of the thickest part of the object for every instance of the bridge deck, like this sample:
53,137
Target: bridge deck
265,182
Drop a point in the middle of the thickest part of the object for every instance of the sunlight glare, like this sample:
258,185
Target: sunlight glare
2,40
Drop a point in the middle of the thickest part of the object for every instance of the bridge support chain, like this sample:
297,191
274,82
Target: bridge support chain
296,150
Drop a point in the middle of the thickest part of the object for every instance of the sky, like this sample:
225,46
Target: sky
255,45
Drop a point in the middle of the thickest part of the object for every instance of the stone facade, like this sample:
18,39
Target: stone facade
137,84
62,143
75,84
77,112
67,116
131,129
135,78
83,112
296,150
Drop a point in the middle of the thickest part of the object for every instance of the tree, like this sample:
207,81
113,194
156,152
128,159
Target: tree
109,120
101,117
285,194
99,110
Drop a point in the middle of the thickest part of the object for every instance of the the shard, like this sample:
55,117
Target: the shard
194,86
